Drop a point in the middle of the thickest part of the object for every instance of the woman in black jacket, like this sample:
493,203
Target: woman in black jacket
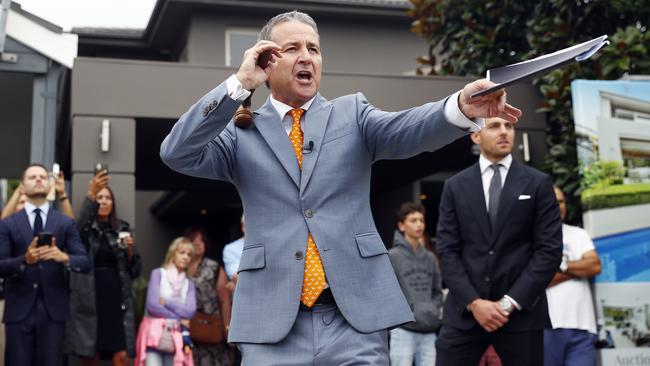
102,323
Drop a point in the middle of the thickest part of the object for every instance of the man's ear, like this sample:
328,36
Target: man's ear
476,137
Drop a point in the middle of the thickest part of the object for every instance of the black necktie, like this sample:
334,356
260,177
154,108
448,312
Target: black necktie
38,222
495,194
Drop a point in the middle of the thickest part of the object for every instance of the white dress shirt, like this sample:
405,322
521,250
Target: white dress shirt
31,215
284,109
487,173
486,177
232,256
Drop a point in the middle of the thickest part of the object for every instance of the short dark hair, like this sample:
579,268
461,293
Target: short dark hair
408,208
193,231
22,177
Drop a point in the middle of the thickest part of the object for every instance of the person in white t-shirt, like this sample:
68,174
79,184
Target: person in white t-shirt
232,256
572,340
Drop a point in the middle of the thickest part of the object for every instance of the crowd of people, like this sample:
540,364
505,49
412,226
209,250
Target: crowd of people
68,285
102,261
313,282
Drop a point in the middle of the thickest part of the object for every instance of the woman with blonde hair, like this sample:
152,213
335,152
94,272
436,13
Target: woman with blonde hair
171,300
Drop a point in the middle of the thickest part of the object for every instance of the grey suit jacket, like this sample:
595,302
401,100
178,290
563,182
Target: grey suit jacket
329,198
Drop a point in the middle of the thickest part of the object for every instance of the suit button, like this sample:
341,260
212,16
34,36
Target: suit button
299,255
487,278
491,252
35,285
309,213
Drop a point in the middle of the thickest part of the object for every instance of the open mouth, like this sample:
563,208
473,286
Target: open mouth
304,76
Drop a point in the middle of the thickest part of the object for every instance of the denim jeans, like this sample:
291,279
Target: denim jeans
155,358
407,346
570,347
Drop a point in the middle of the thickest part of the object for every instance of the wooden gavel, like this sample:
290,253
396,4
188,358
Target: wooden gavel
244,117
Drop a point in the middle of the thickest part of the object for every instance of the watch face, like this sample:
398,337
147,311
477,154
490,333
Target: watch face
505,304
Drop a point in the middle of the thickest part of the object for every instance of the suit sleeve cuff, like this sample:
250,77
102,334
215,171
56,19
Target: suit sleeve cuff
457,118
235,89
514,302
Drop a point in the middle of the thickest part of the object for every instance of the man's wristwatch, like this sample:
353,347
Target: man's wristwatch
506,305
564,266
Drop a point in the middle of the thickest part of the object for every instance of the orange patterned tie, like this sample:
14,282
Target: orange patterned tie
313,282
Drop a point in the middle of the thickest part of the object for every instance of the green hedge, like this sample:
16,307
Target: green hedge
615,196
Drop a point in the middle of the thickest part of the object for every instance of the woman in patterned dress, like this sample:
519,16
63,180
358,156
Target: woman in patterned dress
212,297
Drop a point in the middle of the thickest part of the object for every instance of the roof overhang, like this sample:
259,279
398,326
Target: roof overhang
627,102
60,47
169,18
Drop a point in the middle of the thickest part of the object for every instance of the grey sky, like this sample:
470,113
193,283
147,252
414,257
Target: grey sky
92,13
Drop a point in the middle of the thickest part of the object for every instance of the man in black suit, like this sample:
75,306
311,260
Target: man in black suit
36,286
499,239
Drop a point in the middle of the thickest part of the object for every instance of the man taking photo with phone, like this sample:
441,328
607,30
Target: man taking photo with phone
37,245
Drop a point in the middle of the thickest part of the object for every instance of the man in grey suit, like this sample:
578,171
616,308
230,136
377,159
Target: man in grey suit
315,283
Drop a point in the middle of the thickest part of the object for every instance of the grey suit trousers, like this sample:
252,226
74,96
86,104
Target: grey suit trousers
320,337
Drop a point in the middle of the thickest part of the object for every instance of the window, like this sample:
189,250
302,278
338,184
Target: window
239,40
635,152
631,115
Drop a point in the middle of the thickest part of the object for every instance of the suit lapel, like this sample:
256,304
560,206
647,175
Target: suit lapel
316,120
269,124
516,182
52,222
25,229
473,190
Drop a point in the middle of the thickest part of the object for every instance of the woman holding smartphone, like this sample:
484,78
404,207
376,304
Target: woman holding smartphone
102,324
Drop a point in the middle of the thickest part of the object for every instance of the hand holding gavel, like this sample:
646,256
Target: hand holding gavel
254,70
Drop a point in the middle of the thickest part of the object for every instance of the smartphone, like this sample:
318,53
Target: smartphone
99,167
44,238
121,241
56,169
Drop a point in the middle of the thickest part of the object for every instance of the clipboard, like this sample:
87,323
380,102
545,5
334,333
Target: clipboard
526,70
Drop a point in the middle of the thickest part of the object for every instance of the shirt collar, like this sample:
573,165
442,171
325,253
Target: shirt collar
283,109
484,163
30,207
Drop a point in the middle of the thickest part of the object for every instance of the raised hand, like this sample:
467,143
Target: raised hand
99,182
59,184
250,74
486,106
